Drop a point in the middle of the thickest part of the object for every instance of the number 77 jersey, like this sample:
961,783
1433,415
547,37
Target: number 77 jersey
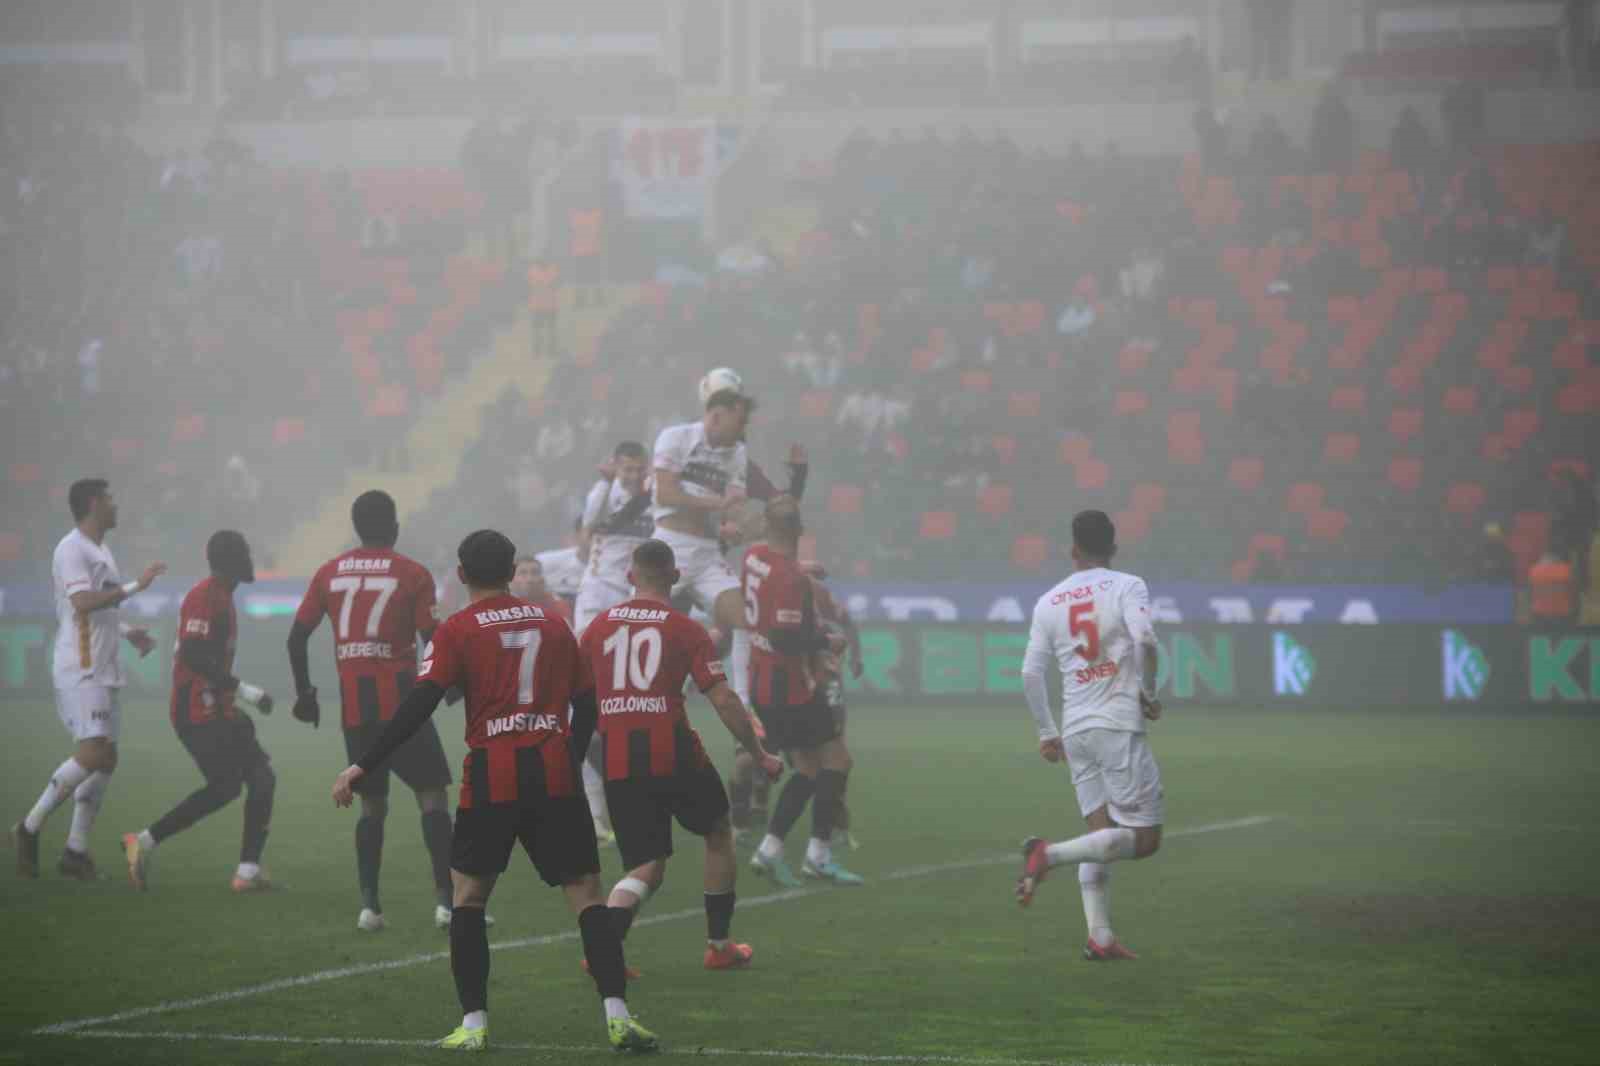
1090,624
379,601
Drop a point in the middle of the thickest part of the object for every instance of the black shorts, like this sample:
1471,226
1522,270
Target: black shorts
557,834
642,810
420,762
800,728
225,750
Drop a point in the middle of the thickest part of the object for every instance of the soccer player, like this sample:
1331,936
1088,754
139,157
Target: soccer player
529,584
205,714
379,602
88,675
830,667
656,769
521,670
792,709
1096,625
616,520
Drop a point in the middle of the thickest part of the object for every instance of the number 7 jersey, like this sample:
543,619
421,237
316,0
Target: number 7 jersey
379,601
1089,624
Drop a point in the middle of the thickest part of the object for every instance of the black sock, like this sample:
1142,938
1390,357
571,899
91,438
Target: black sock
830,793
791,801
263,785
719,914
602,949
622,920
436,835
369,859
469,958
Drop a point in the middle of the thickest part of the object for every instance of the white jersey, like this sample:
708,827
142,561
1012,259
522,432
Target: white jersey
86,648
611,547
562,570
1090,624
703,470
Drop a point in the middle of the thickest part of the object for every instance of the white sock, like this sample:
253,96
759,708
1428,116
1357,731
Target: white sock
594,787
478,1019
771,847
818,852
1103,845
1094,881
248,871
146,841
86,807
741,664
68,776
616,1007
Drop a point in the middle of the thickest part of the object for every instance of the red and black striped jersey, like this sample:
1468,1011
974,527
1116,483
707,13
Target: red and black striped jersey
206,617
781,612
519,668
640,653
379,602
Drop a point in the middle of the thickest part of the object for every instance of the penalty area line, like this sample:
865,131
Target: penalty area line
788,1054
284,983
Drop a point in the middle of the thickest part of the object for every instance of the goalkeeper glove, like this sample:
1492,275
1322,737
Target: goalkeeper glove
306,708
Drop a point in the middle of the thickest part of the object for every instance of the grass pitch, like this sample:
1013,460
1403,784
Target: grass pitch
1422,893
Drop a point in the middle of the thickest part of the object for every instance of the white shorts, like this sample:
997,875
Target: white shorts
90,711
701,568
595,597
1116,769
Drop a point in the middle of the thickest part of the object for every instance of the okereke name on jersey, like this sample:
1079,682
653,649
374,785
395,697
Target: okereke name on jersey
364,649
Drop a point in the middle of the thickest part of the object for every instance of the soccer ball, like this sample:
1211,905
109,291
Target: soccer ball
722,379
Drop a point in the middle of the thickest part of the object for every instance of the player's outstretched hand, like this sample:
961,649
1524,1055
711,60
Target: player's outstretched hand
771,765
1150,706
344,786
1052,750
151,572
607,470
141,640
307,709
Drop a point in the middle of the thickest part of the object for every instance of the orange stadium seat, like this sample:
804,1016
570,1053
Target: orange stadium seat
1405,473
1093,474
1461,400
1341,448
1267,544
1348,399
845,499
1518,378
1149,498
1245,473
1029,552
995,500
1465,498
26,473
937,525
1131,401
1075,447
1404,423
1327,525
1305,497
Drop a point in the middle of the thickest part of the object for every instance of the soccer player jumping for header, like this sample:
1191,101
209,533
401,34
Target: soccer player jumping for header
1096,625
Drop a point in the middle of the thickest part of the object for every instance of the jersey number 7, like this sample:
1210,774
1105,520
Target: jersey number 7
1081,621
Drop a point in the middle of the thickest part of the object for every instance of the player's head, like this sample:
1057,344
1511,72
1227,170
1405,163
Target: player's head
528,580
90,500
228,555
727,414
488,560
1094,538
783,522
633,464
654,570
373,515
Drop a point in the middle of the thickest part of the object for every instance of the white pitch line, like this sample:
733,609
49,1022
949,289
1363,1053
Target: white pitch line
787,1054
320,976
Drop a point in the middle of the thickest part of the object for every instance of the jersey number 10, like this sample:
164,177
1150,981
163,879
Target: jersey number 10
635,658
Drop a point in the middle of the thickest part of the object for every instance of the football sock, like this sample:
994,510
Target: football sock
147,840
771,847
818,852
263,786
825,809
791,801
88,797
1094,881
602,948
1103,845
436,833
719,917
741,664
369,859
469,958
477,1019
594,789
247,871
622,918
616,1007
63,783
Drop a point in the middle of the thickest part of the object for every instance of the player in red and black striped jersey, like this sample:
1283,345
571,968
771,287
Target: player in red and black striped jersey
785,636
656,769
520,670
830,666
206,715
379,602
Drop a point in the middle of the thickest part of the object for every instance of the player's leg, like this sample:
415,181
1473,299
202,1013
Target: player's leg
728,609
480,849
841,815
261,787
92,754
701,806
833,759
768,860
643,823
101,713
224,779
373,790
422,766
594,792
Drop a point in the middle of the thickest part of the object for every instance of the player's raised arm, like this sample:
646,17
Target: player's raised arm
87,600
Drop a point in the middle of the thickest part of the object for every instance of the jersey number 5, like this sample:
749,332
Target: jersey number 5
752,606
348,586
1080,619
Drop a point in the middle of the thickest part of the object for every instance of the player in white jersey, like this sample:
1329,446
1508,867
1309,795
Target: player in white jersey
1096,626
87,674
616,520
